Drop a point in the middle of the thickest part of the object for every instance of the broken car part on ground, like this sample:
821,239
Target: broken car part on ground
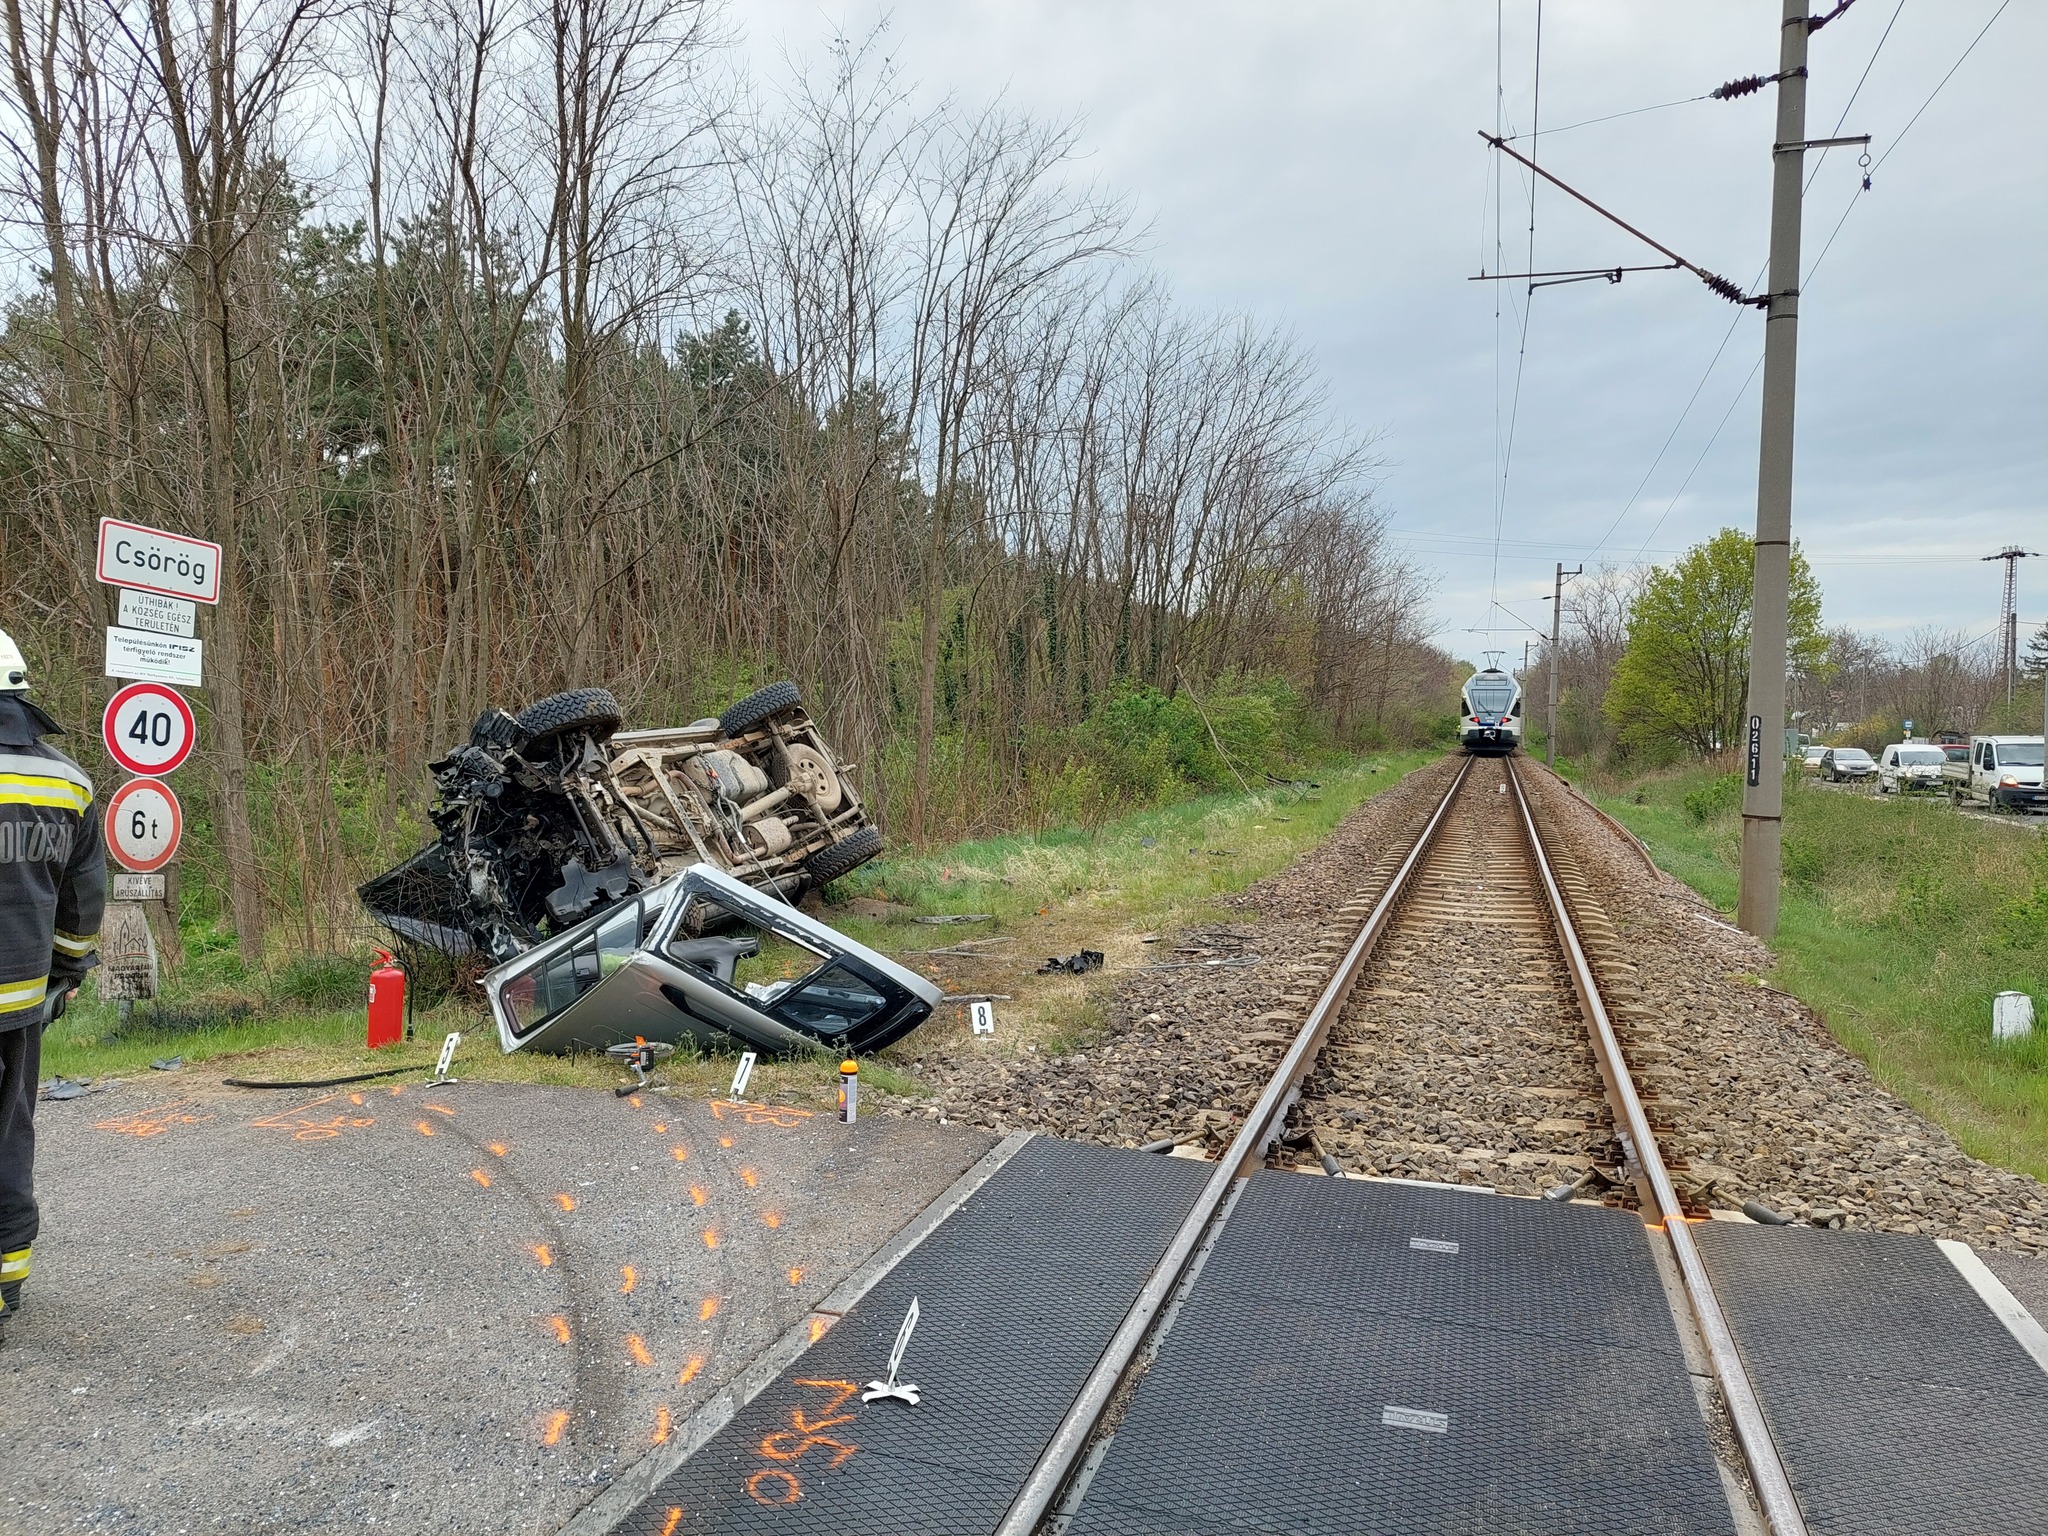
556,815
708,959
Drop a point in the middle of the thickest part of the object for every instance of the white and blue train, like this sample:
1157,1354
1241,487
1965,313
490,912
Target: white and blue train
1492,721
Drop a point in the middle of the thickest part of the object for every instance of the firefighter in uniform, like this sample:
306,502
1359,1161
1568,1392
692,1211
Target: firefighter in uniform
53,876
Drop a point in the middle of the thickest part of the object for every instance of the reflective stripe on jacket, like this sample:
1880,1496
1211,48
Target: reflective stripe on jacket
53,867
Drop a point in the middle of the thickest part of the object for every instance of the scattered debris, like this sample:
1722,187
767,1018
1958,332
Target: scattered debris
955,917
1221,962
555,816
1080,960
1148,842
1216,853
68,1088
641,1055
975,997
969,949
167,1064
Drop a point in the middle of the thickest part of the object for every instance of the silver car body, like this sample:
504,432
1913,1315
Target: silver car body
642,970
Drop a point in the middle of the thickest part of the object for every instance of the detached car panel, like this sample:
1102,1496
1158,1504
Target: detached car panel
647,969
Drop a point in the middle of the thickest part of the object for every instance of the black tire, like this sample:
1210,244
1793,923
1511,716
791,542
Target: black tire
844,857
580,709
756,707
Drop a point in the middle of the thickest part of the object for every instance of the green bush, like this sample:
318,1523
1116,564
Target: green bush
320,981
1714,798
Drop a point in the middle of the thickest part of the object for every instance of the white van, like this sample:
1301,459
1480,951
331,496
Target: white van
1909,765
2004,772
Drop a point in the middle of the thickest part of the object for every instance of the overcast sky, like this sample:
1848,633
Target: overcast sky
1315,162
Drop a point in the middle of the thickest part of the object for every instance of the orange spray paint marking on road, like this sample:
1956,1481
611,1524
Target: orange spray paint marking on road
637,1348
481,1177
772,1218
397,1089
557,1422
355,1098
682,1154
561,1326
660,1130
818,1327
707,1309
750,1178
566,1202
725,1141
662,1424
497,1149
423,1128
711,1237
628,1278
304,1126
765,1486
442,1109
544,1254
699,1193
634,1100
145,1123
691,1367
796,1277
675,1515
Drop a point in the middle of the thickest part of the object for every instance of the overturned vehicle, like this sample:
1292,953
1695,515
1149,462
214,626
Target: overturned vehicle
707,960
555,815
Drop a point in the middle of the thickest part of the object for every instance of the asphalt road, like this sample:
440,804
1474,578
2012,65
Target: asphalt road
449,1310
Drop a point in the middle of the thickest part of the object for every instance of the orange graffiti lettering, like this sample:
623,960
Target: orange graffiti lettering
146,1123
305,1126
786,1116
791,1492
785,1445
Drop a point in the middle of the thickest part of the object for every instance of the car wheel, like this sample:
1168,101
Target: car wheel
759,706
843,857
580,709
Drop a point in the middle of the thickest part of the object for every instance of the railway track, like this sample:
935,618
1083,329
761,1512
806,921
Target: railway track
1471,938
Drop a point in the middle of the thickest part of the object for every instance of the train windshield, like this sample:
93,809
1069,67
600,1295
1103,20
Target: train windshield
1490,695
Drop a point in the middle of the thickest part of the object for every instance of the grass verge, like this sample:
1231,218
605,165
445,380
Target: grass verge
1899,922
1038,894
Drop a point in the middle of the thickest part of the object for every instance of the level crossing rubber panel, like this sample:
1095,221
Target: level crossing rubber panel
1019,1292
1362,1358
1899,1403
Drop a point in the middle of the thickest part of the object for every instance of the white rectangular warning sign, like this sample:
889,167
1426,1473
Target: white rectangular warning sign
137,654
159,615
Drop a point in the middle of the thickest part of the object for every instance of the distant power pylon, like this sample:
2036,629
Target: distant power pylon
2009,613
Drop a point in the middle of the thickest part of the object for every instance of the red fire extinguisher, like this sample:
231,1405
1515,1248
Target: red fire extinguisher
387,1002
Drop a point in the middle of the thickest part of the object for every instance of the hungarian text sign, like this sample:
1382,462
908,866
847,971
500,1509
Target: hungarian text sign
148,729
162,615
151,560
143,825
155,658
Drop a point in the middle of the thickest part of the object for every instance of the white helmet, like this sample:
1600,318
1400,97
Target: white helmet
13,670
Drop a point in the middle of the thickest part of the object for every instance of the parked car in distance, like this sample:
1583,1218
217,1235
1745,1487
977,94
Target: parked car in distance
2003,772
1810,756
708,959
1840,765
1910,765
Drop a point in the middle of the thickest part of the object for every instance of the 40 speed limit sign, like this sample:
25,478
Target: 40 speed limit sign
143,824
148,729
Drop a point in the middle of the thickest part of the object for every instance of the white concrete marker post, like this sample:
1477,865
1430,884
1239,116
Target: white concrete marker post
2012,1016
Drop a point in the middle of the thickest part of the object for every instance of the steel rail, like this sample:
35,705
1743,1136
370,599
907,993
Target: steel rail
1262,1127
1766,1470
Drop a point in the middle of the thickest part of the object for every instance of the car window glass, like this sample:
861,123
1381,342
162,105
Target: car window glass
778,964
617,937
2020,754
833,1002
550,984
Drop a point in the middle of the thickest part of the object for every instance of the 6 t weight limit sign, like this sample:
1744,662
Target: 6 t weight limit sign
143,824
148,729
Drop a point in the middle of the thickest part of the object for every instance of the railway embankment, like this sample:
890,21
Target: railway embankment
1458,1058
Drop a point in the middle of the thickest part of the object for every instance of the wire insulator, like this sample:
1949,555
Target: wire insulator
1724,288
1748,85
